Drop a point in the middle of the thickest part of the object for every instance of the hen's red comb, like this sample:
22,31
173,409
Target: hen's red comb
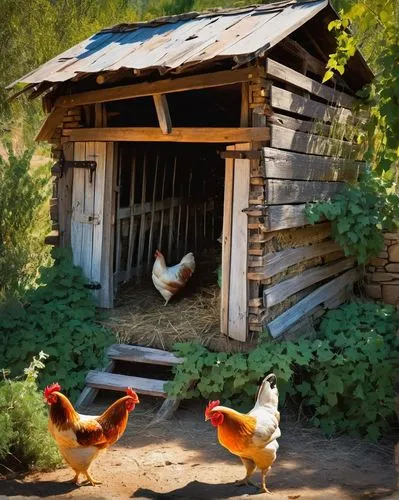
130,392
51,388
210,406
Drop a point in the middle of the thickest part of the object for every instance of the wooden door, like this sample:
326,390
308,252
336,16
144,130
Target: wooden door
234,290
91,219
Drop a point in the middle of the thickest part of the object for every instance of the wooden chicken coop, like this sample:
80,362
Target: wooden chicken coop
170,132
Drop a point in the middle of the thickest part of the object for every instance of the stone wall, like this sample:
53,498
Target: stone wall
382,273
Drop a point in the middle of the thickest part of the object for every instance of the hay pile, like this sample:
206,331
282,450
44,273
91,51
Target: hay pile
141,318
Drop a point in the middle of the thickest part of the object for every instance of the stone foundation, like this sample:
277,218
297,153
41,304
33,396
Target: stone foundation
382,272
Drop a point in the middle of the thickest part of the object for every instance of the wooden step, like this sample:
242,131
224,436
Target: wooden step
138,354
116,382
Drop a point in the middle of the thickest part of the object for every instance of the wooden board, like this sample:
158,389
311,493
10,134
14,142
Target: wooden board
279,292
116,382
162,109
289,165
138,354
226,242
182,84
53,120
318,296
78,205
106,294
300,125
285,217
304,106
278,192
278,262
185,134
88,395
283,138
238,295
65,199
288,75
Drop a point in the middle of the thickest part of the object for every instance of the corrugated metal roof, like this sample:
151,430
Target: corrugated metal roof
177,41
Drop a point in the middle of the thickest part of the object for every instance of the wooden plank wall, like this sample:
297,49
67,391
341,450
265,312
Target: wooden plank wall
296,267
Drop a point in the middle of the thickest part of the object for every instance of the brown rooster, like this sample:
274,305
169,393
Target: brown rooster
253,437
169,280
80,438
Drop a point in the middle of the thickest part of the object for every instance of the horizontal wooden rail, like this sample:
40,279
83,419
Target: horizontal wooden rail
194,82
186,134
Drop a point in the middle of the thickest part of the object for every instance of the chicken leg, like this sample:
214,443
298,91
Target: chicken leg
264,472
250,467
90,479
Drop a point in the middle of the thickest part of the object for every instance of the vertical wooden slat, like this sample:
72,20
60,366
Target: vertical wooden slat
187,211
88,211
226,242
132,228
151,235
65,185
171,210
140,251
238,296
179,222
114,217
244,118
162,211
78,205
118,250
106,296
100,154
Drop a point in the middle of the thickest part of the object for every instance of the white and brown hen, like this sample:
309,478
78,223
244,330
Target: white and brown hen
170,280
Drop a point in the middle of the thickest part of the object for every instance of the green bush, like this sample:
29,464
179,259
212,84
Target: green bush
24,438
59,317
343,379
24,221
358,215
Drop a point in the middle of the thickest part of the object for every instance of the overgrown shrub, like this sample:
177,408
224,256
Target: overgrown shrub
24,438
24,221
59,317
343,379
358,215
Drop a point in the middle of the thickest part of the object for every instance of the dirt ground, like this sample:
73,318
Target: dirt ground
181,458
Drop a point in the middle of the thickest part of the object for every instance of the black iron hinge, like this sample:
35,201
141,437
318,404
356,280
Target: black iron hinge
59,169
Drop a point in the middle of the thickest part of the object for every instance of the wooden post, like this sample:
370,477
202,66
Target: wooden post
226,242
238,294
132,226
162,109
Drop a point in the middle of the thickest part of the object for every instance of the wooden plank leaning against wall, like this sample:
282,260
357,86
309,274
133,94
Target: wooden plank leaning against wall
309,158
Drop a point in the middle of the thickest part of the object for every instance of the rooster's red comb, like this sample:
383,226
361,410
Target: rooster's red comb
210,406
130,392
51,388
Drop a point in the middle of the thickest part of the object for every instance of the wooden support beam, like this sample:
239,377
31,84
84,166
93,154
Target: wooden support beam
186,134
52,121
162,109
217,79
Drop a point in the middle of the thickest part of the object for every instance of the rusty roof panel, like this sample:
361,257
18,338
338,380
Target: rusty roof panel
179,41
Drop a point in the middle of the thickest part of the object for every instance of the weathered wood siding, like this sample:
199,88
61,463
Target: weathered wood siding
297,268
